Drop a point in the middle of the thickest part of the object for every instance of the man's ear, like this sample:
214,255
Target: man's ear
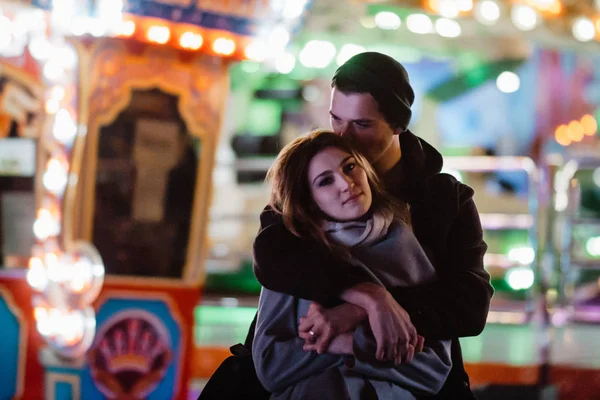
399,129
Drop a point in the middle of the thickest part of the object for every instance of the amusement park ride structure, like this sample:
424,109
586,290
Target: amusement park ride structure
76,325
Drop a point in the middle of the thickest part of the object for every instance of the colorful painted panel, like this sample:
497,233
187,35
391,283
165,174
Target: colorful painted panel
136,352
9,348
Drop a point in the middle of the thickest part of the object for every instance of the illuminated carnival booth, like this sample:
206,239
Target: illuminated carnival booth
109,119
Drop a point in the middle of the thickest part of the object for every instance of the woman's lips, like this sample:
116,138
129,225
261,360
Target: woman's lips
352,198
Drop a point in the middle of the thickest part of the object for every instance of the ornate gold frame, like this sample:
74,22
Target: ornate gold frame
109,70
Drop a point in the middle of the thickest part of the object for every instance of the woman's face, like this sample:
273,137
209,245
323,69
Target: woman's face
338,185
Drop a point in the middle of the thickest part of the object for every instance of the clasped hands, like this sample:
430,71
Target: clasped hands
331,330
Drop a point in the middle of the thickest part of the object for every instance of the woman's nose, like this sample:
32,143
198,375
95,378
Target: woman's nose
347,183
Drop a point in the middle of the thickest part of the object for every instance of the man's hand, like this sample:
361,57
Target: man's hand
341,344
327,324
394,333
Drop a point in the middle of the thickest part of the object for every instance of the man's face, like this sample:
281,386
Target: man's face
357,116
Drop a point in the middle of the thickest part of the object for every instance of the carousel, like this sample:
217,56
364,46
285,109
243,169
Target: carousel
110,113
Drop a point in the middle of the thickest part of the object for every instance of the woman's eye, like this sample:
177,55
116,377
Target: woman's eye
349,167
325,182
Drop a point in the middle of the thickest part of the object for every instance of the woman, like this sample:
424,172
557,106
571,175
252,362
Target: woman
325,189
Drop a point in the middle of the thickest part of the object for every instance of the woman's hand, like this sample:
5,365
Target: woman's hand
342,344
320,326
394,333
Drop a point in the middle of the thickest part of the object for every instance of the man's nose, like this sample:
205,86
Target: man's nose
345,130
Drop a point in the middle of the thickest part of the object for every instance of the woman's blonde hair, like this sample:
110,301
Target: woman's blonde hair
291,194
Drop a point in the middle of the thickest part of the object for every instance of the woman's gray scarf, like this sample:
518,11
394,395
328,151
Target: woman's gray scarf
359,233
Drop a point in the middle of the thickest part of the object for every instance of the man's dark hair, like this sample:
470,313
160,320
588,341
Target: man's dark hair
383,78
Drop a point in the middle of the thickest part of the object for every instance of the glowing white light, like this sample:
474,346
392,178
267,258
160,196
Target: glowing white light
55,178
54,269
524,17
224,46
53,70
65,56
57,93
43,321
159,34
508,82
544,4
79,26
278,39
387,20
126,28
64,129
96,27
317,54
561,202
449,8
98,270
64,328
256,51
584,29
464,5
40,48
36,275
448,28
487,12
285,63
520,278
5,32
72,327
522,255
45,225
592,246
419,23
596,176
191,40
52,106
277,5
348,51
63,12
110,10
293,8
22,24
368,22
82,275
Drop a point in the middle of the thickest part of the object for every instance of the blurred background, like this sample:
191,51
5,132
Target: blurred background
135,137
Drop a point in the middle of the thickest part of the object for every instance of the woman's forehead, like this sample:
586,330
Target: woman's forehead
328,158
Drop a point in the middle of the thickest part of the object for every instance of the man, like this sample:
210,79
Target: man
370,104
